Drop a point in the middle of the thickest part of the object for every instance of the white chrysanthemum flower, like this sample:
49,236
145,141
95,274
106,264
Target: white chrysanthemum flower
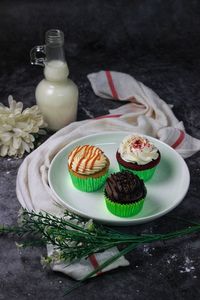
17,128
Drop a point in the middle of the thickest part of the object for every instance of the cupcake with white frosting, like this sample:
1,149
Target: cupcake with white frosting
138,155
88,167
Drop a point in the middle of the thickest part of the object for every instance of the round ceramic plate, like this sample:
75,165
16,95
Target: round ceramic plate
164,191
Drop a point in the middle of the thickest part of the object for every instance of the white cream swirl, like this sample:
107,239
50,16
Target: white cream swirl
137,149
87,160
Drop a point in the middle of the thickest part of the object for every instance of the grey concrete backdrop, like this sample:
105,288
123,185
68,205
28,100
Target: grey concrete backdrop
156,41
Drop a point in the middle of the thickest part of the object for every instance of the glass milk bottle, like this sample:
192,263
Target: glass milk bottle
56,95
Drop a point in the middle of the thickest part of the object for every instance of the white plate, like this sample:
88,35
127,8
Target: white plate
164,191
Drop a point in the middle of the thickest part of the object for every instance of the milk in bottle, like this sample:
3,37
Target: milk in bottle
56,95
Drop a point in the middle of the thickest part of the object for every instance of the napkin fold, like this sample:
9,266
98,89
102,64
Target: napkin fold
146,114
79,269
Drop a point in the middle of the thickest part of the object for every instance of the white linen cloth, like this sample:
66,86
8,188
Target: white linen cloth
146,113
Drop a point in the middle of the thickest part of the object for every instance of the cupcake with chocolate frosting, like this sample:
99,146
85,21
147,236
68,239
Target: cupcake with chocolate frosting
124,194
138,155
88,167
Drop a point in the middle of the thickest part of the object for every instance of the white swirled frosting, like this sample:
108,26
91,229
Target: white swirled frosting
87,160
137,149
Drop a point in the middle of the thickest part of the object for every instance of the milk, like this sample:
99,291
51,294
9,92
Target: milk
56,70
57,95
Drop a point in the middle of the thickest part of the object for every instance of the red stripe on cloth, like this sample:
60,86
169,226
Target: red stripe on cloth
111,85
94,263
108,116
179,139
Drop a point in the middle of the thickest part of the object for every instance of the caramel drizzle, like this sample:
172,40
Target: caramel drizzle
89,157
95,157
73,154
89,154
85,153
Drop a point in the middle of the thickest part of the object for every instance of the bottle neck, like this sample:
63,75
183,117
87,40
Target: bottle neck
56,68
55,52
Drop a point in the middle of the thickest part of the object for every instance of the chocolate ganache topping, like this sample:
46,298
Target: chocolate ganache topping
125,187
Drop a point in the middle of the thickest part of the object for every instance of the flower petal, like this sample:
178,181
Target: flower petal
16,142
4,150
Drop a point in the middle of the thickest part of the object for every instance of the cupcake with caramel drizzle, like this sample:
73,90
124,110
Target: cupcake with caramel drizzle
88,167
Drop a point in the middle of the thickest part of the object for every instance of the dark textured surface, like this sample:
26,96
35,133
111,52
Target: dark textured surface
158,42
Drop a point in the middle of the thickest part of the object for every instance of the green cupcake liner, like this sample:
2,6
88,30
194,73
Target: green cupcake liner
143,174
124,210
89,184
